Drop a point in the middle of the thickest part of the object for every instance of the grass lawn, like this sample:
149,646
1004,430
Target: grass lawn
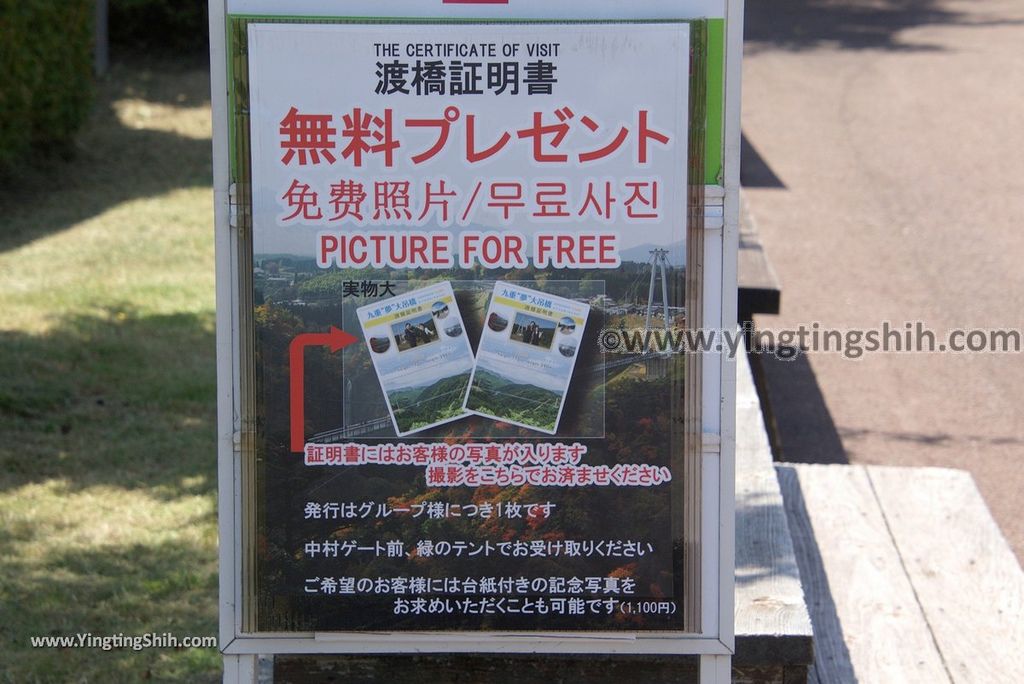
107,455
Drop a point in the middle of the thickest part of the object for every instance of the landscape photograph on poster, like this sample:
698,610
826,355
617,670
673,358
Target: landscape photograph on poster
437,399
477,256
509,392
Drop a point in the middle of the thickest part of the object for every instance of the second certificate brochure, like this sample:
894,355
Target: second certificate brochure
526,357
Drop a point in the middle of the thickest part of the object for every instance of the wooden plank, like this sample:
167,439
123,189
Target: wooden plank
969,583
758,286
772,622
868,626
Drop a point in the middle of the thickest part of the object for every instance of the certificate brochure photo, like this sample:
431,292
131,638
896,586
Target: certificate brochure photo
422,356
526,357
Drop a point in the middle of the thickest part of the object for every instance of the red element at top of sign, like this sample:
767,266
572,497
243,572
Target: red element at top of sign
309,139
335,339
444,126
309,135
370,134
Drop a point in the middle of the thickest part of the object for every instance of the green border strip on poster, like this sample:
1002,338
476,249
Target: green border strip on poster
715,102
715,76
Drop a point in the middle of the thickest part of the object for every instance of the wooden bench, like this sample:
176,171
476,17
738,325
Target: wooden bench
773,628
908,577
758,286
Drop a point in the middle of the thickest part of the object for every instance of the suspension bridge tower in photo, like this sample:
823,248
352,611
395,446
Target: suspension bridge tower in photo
659,258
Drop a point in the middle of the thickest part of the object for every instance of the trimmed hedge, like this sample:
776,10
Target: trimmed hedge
179,26
45,74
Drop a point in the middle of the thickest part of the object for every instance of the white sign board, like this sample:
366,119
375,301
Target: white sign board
549,131
552,157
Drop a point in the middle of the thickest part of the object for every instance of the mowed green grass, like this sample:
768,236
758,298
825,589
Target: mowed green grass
107,389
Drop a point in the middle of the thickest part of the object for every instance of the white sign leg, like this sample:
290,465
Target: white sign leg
240,669
715,669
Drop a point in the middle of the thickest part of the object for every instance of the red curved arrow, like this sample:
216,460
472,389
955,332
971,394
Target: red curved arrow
335,339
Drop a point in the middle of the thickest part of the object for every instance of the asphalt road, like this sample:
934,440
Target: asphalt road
892,189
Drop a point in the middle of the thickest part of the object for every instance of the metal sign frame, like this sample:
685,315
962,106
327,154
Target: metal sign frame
715,642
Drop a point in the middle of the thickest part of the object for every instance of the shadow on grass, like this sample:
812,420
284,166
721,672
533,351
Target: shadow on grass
108,456
849,24
113,161
134,590
107,495
111,399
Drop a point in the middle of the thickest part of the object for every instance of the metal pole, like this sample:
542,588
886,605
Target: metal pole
101,45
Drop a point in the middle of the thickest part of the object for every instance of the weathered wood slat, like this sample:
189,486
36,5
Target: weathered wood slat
967,579
868,626
772,623
758,286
